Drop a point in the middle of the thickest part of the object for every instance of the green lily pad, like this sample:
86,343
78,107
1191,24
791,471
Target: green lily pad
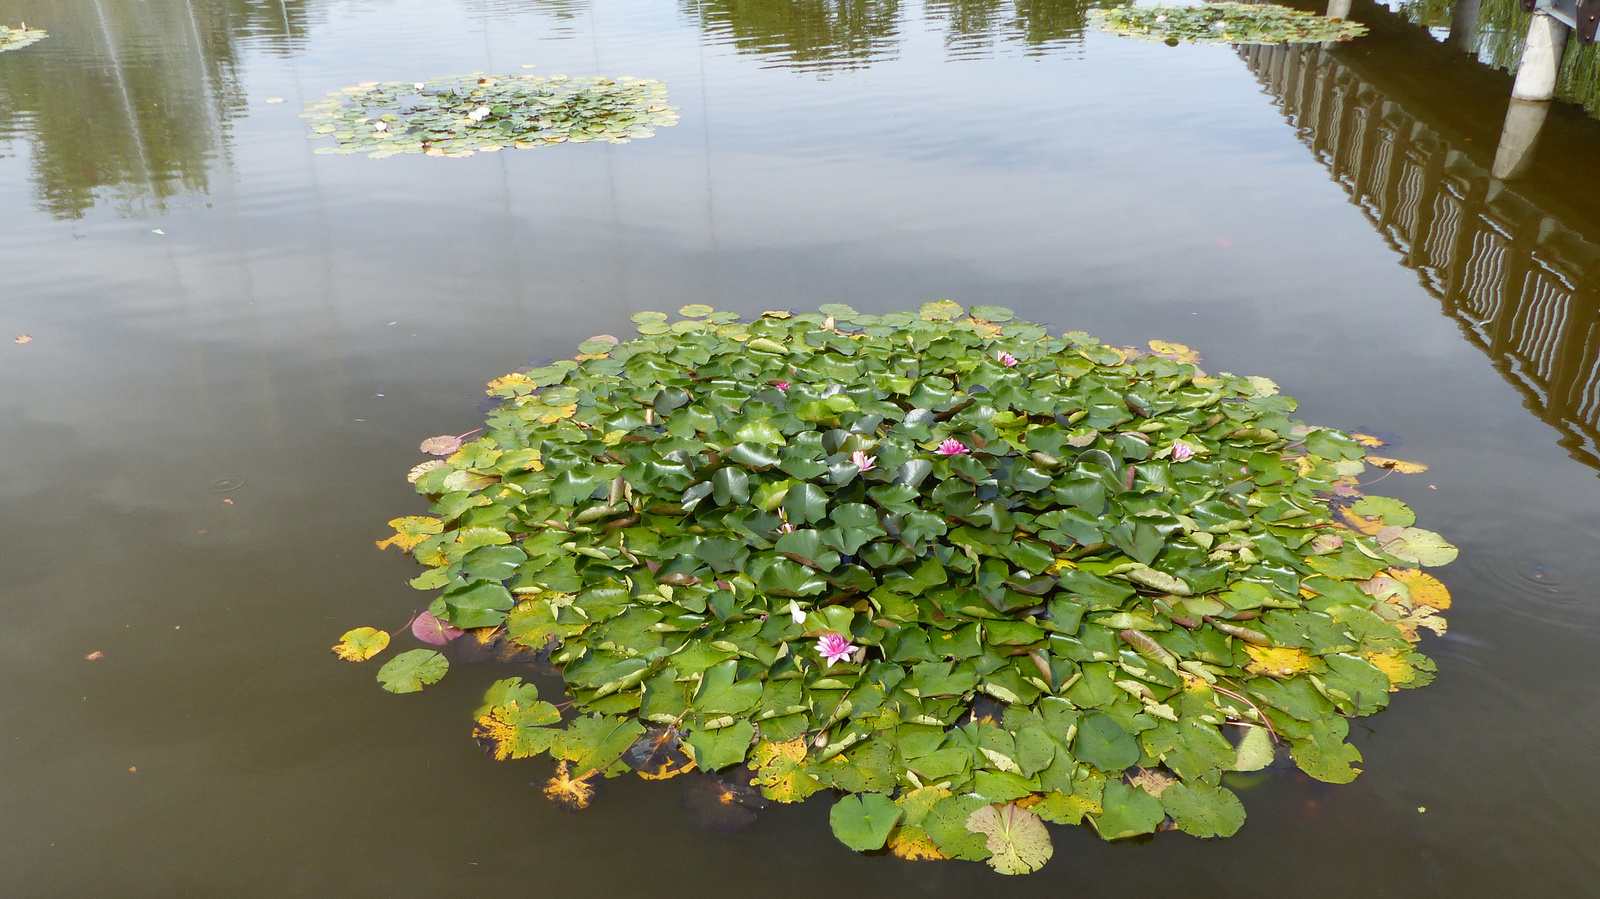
863,822
409,671
902,555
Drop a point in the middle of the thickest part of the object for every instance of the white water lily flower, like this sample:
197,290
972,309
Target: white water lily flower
381,126
797,613
419,85
479,114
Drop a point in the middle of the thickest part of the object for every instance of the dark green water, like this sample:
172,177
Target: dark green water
218,314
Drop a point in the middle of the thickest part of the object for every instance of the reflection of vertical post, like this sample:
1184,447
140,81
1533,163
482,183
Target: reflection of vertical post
1541,59
1338,9
1530,96
1464,25
1519,137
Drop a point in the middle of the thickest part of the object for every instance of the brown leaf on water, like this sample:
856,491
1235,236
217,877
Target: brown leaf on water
1397,465
23,338
1174,351
1358,523
1368,440
443,445
572,794
1152,781
95,656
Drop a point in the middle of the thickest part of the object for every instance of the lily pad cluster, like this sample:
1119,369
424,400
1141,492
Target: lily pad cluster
970,576
463,115
1225,23
17,38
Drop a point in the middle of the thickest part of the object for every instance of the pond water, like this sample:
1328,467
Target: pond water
237,345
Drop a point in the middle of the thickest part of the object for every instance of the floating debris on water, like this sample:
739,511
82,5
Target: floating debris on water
17,38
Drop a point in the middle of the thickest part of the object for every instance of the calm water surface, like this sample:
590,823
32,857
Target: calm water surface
237,345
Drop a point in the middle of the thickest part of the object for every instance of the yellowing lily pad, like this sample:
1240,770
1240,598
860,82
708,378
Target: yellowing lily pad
361,644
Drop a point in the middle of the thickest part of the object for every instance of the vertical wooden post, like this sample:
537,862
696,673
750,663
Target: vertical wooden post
1541,59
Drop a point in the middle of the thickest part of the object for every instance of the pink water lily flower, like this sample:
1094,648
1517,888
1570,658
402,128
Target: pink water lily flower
781,385
952,447
1182,452
834,648
861,460
1007,359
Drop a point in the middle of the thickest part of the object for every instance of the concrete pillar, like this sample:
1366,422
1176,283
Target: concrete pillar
1519,138
1541,59
1338,9
1464,25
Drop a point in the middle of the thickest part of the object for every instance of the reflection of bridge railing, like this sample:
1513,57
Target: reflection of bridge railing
1523,284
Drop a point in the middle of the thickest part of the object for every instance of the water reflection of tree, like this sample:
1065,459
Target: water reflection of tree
804,33
1502,28
1039,25
129,101
847,33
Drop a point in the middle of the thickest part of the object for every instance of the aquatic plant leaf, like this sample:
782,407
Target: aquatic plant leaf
443,445
509,689
913,844
713,750
1324,754
1177,352
946,824
1398,465
863,822
1385,508
459,116
16,39
596,742
409,671
1104,744
1418,546
429,629
361,644
1276,661
518,728
1018,841
674,523
1224,23
410,531
1128,811
1422,588
568,792
1255,751
1202,810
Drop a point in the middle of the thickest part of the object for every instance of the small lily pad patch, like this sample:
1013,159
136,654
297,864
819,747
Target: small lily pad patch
1225,23
17,38
463,115
975,578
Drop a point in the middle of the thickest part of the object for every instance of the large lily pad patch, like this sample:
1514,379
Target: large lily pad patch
482,113
968,576
17,38
1225,23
